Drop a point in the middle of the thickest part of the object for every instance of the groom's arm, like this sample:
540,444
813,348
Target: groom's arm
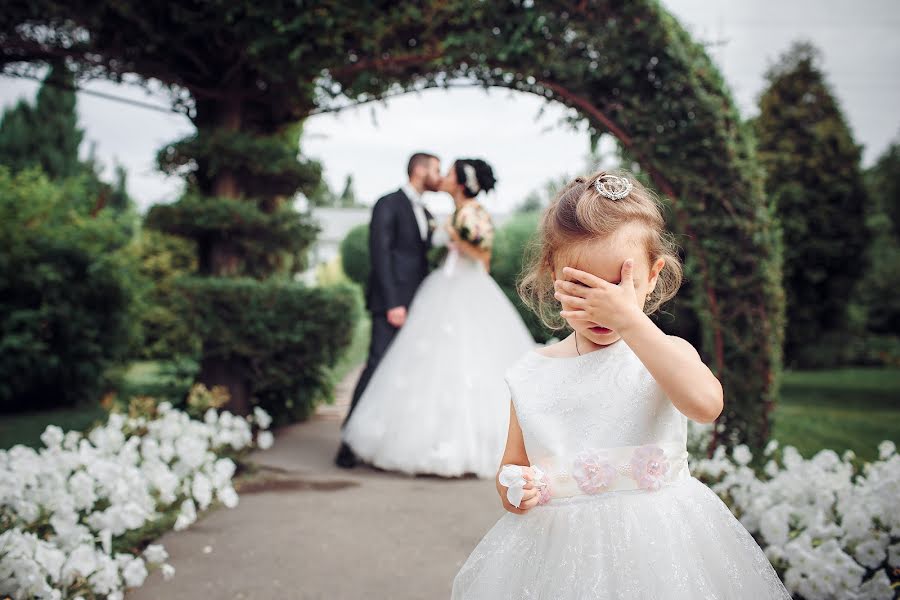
381,238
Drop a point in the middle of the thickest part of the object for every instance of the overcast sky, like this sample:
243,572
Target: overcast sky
860,42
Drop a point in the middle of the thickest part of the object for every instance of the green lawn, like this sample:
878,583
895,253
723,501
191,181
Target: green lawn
356,353
841,409
26,428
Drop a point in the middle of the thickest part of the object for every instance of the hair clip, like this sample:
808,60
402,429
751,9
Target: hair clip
613,186
471,178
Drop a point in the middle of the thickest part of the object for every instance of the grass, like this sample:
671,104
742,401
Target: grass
842,409
356,352
26,428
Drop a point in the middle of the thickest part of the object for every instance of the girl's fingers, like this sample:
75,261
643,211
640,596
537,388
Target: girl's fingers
528,497
574,314
571,301
585,278
529,504
571,288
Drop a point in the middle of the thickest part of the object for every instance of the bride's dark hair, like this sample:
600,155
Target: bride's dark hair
484,179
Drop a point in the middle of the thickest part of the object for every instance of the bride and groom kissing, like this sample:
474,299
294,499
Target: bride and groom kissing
431,398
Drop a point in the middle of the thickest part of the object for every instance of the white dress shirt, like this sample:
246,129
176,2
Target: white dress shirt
415,198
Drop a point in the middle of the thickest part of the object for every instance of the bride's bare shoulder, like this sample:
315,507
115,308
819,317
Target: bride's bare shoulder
560,349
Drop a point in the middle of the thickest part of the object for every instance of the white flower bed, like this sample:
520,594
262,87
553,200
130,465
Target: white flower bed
63,507
830,529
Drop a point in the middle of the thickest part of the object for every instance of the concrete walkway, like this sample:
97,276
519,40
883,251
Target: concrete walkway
305,529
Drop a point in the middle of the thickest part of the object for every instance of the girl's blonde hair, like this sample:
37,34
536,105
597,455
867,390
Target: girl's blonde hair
579,214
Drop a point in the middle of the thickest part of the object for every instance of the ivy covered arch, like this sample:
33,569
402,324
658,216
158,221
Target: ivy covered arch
246,73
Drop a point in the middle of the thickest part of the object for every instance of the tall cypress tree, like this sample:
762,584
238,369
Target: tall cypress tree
47,133
813,176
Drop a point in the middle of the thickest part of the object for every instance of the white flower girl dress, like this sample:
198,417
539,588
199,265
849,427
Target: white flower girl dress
620,515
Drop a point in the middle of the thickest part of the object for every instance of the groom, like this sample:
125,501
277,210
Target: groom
399,238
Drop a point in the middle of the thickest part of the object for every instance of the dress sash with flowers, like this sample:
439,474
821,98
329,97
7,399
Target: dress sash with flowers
596,471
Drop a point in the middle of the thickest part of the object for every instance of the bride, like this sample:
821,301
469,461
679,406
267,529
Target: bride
438,402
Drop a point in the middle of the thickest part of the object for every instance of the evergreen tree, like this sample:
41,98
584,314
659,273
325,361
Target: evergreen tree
46,134
876,293
348,196
322,195
884,185
813,177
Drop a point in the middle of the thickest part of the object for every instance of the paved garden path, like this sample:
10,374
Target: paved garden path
305,529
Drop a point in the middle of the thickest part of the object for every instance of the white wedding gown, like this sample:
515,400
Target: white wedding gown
605,435
437,402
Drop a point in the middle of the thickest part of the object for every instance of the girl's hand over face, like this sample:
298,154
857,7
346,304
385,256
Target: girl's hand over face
590,298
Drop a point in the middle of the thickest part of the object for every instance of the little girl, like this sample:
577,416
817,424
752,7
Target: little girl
595,474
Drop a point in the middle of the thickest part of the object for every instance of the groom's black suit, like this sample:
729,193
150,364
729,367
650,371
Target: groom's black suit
399,263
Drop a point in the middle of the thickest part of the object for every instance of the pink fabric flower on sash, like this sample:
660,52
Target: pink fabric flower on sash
592,473
649,467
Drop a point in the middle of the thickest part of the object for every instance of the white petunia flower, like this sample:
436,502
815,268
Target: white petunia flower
52,437
869,553
262,418
265,439
186,516
228,497
82,562
134,572
201,490
155,554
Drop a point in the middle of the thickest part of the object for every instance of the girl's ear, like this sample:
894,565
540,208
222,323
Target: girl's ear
655,270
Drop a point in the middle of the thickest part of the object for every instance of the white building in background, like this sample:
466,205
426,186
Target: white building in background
335,224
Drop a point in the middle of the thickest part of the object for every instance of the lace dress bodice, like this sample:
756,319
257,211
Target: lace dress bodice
605,399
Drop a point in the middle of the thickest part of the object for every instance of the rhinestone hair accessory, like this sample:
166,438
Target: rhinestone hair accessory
471,178
613,186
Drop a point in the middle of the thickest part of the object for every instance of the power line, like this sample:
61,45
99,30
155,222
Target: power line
104,95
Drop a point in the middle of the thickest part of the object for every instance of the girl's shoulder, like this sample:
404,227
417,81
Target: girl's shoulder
560,349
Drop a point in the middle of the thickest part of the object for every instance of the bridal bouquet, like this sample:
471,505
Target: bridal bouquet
473,224
67,509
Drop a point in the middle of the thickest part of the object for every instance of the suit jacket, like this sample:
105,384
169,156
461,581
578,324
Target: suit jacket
397,253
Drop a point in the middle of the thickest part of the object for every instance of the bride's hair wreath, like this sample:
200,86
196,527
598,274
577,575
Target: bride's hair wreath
474,175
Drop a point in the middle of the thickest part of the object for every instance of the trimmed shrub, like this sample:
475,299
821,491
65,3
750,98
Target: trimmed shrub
67,293
280,336
512,247
355,254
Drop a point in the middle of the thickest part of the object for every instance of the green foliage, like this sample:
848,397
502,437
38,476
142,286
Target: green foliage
163,260
67,290
267,241
875,302
284,335
513,244
168,379
355,254
814,179
45,135
884,185
265,165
